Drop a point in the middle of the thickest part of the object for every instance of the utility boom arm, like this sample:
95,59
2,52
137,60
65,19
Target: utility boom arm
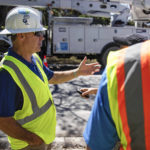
92,7
140,9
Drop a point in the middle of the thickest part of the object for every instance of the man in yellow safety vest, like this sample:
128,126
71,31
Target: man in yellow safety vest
27,110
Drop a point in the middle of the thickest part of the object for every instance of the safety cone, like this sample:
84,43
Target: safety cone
45,61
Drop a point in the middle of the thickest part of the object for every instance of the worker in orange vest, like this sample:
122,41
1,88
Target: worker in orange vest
120,113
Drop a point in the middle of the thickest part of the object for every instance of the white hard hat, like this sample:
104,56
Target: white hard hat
23,19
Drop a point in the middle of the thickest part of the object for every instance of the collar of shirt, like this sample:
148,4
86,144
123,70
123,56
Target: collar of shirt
14,54
31,65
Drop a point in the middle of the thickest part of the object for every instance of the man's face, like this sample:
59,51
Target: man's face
33,41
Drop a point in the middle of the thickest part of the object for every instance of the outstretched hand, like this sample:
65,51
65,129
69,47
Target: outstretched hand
88,91
88,69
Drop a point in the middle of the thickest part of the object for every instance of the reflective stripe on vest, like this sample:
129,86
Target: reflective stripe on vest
131,71
36,57
36,110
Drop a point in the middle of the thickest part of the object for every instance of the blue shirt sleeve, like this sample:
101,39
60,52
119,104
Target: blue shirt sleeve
7,94
100,132
48,72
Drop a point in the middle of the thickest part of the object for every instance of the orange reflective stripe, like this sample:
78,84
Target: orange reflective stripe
121,98
121,148
145,64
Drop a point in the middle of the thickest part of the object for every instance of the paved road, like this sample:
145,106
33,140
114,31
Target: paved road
72,109
72,113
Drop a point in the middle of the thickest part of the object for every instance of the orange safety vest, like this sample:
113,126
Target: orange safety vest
128,74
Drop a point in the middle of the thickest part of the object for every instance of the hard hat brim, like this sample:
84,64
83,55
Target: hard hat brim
6,31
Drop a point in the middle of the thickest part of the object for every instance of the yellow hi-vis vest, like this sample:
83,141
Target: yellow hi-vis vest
38,113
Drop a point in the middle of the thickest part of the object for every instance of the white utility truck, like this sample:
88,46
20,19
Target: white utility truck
77,36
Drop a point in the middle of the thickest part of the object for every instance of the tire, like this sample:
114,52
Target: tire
107,48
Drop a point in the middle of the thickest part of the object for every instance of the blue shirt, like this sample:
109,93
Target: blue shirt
100,132
11,98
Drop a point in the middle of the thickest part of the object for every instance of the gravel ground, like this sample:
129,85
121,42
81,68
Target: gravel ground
72,112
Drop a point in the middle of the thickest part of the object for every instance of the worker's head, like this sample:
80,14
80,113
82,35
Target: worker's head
23,21
129,40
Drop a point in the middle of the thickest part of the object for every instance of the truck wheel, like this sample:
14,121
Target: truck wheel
107,48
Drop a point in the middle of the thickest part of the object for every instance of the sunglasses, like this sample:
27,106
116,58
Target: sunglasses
39,33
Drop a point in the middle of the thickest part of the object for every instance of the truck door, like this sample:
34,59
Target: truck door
92,43
77,39
60,39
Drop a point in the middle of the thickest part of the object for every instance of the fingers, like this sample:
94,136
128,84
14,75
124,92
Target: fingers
96,68
84,60
88,69
89,91
85,93
81,93
84,89
96,63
